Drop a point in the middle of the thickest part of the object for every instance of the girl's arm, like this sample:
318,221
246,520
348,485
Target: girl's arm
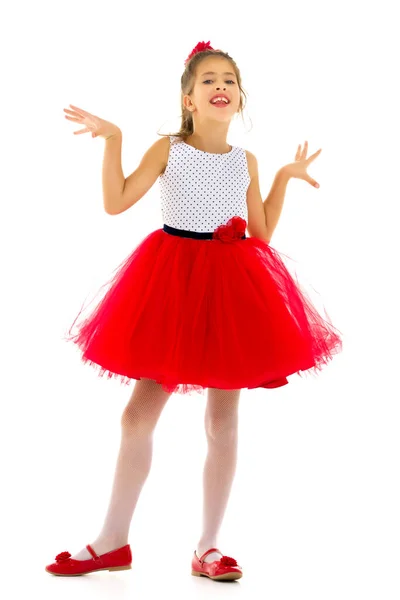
112,175
274,201
298,169
120,193
263,216
256,221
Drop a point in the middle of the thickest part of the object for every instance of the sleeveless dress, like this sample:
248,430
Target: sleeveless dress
199,304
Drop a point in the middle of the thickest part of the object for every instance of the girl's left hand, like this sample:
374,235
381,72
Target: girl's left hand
298,169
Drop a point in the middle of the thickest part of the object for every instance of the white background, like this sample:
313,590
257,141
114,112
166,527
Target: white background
313,511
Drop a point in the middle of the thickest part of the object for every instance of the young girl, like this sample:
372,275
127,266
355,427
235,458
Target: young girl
197,304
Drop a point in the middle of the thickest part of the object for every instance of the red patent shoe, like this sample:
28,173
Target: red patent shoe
224,568
116,560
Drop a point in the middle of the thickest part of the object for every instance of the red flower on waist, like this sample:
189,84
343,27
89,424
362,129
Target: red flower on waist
233,230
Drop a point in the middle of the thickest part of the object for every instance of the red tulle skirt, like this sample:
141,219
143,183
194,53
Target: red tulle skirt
197,313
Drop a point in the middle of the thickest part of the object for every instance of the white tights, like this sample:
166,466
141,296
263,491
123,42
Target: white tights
138,422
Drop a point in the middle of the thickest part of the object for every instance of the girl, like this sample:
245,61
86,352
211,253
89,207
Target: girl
197,304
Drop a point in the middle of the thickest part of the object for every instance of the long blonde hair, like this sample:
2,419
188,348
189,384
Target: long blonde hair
187,84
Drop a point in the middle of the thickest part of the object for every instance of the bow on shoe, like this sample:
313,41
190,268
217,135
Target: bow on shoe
63,556
233,230
227,560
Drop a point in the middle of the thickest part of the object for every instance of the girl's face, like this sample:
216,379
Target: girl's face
214,76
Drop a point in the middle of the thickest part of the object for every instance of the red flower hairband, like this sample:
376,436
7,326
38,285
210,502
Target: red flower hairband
199,48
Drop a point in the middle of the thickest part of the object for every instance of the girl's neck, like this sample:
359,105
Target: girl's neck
208,145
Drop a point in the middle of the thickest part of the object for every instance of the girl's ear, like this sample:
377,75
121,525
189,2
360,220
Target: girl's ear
186,101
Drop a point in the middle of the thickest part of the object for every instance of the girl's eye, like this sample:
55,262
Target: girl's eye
211,80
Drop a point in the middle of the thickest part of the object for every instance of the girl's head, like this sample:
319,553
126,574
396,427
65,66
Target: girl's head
206,73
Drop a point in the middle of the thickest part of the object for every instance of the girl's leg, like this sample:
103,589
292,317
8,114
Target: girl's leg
138,421
221,425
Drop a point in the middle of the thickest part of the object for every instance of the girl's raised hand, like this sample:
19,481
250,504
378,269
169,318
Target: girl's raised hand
97,126
298,169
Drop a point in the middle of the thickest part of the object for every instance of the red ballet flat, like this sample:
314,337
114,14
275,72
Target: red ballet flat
224,568
115,560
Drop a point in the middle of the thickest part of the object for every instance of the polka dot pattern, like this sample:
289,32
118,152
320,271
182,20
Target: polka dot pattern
202,190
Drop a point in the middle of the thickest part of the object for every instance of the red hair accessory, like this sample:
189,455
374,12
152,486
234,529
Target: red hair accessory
199,48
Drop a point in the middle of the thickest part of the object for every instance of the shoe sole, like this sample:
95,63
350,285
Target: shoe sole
91,571
226,576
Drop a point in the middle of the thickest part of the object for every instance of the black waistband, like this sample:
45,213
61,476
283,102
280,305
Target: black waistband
198,235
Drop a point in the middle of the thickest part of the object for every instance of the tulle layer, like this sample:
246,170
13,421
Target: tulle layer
194,313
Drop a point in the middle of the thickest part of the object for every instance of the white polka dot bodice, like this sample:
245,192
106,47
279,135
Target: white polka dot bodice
202,190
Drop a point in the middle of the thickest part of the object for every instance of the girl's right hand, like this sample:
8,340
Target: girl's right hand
97,126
